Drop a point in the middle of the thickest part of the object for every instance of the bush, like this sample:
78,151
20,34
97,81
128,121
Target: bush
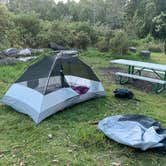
56,32
82,40
78,35
119,43
103,45
155,47
135,43
86,28
28,27
148,39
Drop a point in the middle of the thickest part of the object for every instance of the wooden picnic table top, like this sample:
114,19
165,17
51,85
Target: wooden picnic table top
147,65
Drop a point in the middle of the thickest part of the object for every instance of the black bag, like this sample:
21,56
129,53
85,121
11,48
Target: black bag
123,93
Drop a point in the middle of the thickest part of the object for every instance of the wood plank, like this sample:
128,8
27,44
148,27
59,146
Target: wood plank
140,64
141,78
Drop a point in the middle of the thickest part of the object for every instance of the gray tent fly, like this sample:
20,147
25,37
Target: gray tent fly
137,131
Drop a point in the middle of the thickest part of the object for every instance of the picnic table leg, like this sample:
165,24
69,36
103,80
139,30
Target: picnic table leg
158,88
132,70
165,77
129,70
122,80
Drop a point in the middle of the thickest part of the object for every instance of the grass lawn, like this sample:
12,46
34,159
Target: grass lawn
74,140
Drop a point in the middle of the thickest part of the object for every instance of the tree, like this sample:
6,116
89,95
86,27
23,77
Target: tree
119,43
28,26
144,15
82,40
160,25
165,46
5,23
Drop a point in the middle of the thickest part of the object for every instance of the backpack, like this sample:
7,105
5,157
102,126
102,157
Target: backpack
123,94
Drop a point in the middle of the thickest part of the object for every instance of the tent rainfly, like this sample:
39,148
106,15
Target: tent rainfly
52,84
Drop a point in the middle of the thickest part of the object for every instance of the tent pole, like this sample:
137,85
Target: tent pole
52,67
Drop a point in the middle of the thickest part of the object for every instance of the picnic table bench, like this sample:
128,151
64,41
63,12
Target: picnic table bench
135,69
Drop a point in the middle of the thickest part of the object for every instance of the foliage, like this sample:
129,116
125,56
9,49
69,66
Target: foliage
103,45
165,46
146,16
110,11
154,47
54,32
119,43
28,27
5,18
35,23
81,40
160,25
78,35
86,28
148,39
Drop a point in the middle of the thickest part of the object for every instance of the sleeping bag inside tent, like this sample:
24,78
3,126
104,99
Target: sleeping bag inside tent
52,84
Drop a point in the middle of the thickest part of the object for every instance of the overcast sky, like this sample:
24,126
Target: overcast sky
65,0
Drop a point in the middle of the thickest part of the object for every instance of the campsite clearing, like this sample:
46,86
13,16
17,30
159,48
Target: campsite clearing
74,140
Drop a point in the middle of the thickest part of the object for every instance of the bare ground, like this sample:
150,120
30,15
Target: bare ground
108,76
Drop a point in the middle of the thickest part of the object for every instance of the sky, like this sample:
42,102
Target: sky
65,0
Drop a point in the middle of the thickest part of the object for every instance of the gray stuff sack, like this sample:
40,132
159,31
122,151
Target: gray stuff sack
137,131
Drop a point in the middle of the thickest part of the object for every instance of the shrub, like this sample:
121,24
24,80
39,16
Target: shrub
135,43
82,40
119,43
57,32
102,45
28,27
148,39
86,28
155,47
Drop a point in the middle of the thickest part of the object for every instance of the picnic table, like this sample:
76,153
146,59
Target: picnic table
135,69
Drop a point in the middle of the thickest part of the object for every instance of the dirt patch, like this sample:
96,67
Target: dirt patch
110,70
108,76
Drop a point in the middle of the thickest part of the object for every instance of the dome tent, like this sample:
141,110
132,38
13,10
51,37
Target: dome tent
52,84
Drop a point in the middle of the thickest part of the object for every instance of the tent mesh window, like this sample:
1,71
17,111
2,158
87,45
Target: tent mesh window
49,74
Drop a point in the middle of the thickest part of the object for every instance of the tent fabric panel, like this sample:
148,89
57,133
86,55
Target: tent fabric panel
66,93
21,107
26,95
57,97
71,101
74,66
49,106
38,70
71,66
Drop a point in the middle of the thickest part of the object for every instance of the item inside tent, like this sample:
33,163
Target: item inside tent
137,131
52,84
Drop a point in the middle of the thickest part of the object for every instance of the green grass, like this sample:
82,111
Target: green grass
75,140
